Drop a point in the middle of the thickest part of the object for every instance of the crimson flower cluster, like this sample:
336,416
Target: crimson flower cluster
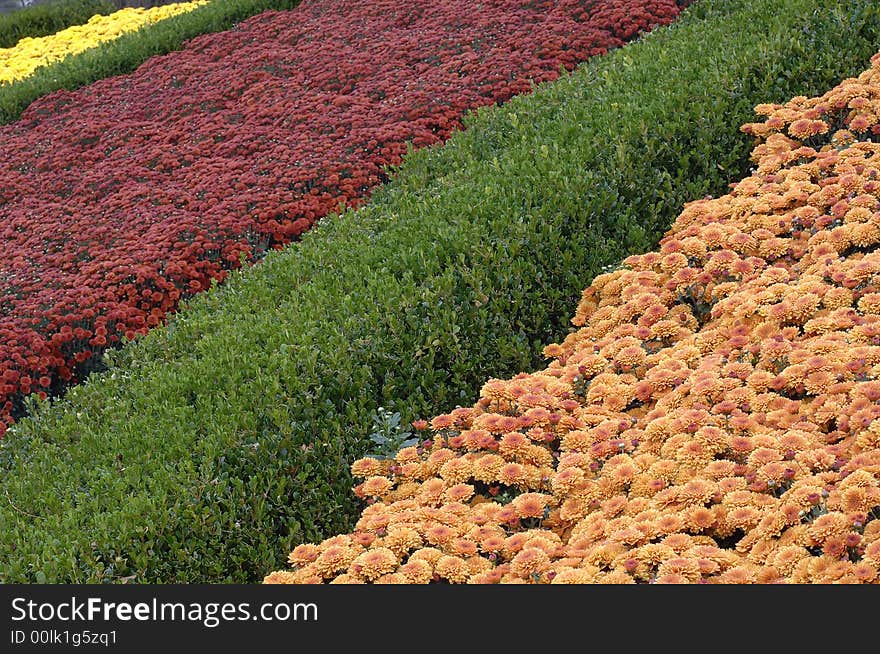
122,198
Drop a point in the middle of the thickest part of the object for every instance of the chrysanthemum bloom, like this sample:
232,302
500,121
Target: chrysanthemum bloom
374,518
485,512
678,542
546,540
344,540
303,554
333,560
785,559
459,493
376,486
872,553
476,439
402,539
279,577
486,468
439,534
442,422
350,577
614,505
438,457
432,490
629,537
304,577
669,523
574,576
854,500
463,547
452,568
374,563
865,572
404,490
417,571
741,574
492,576
366,467
833,524
673,578
566,481
512,474
364,538
530,505
614,577
394,578
508,515
530,561
699,519
456,471
839,571
478,565
429,554
407,455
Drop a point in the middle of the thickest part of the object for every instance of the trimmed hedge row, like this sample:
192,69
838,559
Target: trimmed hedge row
129,51
216,443
42,20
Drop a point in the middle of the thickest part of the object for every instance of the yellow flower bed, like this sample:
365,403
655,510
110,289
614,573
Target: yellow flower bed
715,419
31,53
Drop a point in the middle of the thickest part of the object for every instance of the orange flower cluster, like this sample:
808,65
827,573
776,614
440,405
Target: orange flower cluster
715,418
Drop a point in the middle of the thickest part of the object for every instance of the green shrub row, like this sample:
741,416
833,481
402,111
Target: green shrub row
130,50
45,19
215,444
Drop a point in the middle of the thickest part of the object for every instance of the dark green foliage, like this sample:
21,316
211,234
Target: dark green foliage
130,50
388,435
45,19
215,444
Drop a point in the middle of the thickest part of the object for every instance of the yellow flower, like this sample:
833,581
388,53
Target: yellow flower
29,54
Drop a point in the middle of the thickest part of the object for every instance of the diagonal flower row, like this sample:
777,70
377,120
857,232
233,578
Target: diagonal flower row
715,419
29,53
118,200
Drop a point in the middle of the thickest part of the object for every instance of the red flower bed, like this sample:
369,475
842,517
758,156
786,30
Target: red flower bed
121,198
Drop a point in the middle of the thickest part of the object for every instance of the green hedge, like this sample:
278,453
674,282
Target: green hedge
215,444
45,19
130,50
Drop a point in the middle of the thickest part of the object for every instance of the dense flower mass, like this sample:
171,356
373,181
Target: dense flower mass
121,198
714,419
31,53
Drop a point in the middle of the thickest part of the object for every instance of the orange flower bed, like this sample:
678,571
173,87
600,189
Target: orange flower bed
715,418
